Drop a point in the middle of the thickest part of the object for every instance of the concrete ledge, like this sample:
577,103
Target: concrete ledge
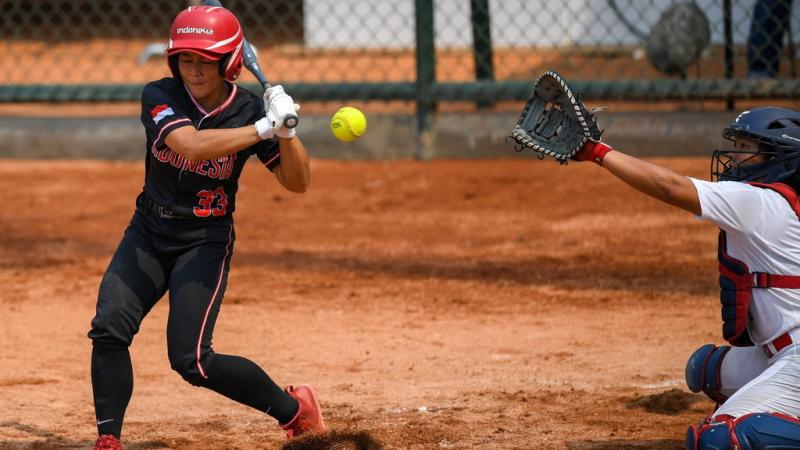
467,135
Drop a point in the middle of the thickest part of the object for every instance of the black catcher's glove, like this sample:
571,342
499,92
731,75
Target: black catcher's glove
554,121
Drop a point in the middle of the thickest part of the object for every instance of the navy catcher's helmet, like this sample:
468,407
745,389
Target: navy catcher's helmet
777,132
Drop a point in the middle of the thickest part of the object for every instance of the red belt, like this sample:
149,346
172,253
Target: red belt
778,344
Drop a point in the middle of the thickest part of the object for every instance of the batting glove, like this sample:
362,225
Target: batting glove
268,126
281,104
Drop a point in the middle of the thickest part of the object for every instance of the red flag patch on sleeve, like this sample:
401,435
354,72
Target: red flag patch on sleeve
161,111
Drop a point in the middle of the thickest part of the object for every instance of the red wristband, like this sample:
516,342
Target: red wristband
593,151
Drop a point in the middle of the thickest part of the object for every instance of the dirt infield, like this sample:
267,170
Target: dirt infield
452,304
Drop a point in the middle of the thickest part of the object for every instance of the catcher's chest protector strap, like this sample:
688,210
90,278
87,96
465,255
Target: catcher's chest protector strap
786,192
736,281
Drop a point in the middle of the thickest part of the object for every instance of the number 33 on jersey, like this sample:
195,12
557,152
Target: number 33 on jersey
204,189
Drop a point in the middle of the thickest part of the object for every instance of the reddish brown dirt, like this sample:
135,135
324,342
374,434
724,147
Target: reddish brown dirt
452,304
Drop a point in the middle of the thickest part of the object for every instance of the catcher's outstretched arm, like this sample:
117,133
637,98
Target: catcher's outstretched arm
654,180
556,123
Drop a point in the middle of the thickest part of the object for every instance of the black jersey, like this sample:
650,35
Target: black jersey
204,189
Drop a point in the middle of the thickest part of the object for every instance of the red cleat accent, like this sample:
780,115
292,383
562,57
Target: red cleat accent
107,442
309,416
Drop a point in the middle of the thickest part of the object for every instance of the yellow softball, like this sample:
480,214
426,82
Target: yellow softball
348,124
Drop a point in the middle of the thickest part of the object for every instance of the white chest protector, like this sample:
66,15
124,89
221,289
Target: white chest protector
736,281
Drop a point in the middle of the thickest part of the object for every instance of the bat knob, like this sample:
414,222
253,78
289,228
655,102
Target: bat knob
290,121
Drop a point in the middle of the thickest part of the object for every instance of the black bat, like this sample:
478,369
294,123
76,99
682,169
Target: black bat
251,62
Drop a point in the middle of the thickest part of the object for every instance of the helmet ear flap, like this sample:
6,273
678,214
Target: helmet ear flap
223,63
231,73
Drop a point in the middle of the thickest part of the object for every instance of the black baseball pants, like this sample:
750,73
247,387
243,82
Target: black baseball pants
190,259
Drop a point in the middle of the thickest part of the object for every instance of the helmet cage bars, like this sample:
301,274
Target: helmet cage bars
211,32
778,143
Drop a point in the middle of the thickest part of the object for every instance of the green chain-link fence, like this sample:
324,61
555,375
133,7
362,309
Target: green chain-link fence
423,50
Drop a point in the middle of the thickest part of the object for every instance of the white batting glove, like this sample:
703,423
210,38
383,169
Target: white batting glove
267,94
286,133
268,126
281,104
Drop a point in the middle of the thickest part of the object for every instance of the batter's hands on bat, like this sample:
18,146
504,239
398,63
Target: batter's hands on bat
267,127
281,104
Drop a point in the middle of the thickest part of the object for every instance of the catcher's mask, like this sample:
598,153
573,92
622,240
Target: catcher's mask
211,32
777,133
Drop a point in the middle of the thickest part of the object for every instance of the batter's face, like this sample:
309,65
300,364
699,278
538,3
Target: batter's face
201,76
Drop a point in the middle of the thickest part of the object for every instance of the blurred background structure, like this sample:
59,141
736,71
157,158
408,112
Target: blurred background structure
423,56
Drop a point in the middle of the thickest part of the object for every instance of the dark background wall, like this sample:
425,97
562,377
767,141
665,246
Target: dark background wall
82,19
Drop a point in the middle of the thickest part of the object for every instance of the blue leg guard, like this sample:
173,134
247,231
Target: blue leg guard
709,436
767,432
703,371
751,432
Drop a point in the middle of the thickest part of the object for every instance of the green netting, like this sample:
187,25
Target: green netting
482,50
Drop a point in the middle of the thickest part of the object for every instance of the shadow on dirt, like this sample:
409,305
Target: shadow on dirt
59,443
45,440
335,440
577,271
672,402
656,444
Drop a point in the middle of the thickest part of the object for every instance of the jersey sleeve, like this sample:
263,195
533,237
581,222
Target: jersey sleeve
161,114
732,205
267,152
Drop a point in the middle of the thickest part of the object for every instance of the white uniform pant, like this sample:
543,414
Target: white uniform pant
758,384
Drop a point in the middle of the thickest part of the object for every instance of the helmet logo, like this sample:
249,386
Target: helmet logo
786,136
740,115
194,30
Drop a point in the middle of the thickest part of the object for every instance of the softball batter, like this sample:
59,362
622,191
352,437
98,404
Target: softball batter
756,379
200,128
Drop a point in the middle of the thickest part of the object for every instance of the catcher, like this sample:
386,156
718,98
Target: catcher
754,201
200,128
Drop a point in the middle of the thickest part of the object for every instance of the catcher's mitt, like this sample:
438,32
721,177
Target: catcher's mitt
554,121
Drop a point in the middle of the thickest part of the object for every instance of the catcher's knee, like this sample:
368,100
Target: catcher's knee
703,371
750,432
709,436
761,431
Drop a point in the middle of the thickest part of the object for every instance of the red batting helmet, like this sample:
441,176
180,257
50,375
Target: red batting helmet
211,32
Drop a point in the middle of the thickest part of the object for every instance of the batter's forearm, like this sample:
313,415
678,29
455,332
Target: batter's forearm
654,180
293,172
201,145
